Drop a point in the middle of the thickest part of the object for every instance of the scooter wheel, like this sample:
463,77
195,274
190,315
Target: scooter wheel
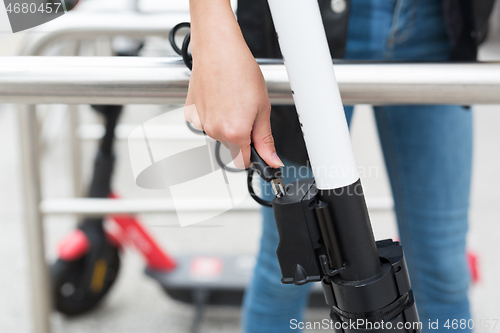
78,286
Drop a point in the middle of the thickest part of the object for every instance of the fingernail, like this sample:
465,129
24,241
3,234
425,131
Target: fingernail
277,160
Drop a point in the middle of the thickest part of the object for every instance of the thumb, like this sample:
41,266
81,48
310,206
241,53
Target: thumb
263,140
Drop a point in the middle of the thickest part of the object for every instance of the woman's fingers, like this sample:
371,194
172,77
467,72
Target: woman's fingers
238,156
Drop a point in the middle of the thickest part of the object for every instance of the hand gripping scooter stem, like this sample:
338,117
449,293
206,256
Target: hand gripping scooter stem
323,223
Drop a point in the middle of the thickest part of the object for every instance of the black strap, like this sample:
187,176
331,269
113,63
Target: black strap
387,313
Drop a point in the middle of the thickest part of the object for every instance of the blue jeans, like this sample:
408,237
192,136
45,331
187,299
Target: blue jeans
428,154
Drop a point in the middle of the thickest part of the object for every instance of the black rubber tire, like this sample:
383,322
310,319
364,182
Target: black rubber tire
69,297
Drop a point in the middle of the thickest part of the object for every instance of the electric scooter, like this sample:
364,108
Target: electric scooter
324,228
325,234
323,223
88,259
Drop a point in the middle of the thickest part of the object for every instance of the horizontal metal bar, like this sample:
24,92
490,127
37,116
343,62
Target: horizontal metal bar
124,80
91,206
87,25
122,132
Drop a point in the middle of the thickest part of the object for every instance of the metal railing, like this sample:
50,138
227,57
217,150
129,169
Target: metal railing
73,80
161,81
106,80
75,26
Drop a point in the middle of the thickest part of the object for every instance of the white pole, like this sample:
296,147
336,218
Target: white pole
316,94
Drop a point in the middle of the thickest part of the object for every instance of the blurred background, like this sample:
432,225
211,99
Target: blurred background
138,303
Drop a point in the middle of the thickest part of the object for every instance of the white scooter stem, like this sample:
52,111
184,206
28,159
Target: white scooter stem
316,94
302,40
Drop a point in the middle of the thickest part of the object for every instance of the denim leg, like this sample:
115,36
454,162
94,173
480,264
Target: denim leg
428,153
268,305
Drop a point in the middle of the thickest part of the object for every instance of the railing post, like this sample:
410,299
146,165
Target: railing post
38,270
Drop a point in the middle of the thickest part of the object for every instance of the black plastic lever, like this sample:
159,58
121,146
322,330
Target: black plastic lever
262,168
